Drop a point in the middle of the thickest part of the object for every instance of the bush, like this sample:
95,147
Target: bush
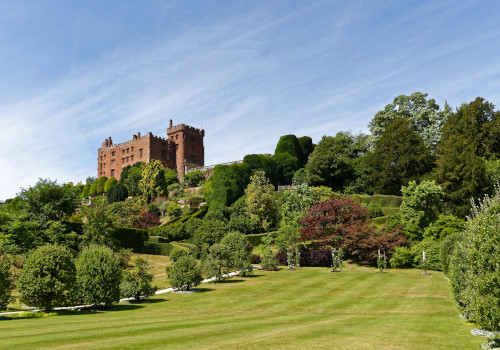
184,273
255,259
158,248
6,284
402,258
256,239
227,184
98,276
110,183
47,277
175,190
244,224
137,284
130,238
218,262
117,193
93,188
269,261
445,225
123,256
174,210
209,232
315,257
101,182
374,210
194,178
239,252
176,253
432,253
447,248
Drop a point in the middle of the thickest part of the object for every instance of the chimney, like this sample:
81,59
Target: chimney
170,123
138,135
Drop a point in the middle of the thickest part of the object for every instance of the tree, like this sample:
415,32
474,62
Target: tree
307,146
330,220
424,116
239,252
420,207
399,157
6,282
93,188
153,182
218,263
194,178
475,266
290,144
48,200
47,277
444,226
109,184
98,276
260,203
227,184
184,273
137,283
132,181
331,162
117,193
294,203
99,228
209,233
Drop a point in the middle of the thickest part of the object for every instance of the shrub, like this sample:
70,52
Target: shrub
227,184
6,284
447,248
445,225
174,190
239,252
479,266
93,188
176,253
209,232
47,277
194,178
147,220
402,258
184,273
137,284
315,257
255,259
281,258
218,262
132,238
244,224
374,210
158,248
117,193
98,276
432,253
269,261
174,210
101,182
110,183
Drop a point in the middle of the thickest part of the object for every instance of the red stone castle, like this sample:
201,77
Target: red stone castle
181,150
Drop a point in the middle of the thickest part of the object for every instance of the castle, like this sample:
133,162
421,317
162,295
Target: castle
181,150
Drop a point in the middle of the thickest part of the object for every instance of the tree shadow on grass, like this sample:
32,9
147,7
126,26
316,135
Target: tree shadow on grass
252,276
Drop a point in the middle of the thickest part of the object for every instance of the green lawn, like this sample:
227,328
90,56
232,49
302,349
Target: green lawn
303,309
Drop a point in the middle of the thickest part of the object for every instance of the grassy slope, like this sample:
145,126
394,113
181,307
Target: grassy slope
308,308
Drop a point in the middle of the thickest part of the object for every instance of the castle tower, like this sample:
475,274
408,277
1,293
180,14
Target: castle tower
189,150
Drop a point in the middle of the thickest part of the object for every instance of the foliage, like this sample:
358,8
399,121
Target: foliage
99,228
399,157
260,162
307,146
117,193
110,183
209,233
227,184
48,275
294,203
6,282
331,162
86,191
48,201
137,283
260,203
93,188
132,238
289,144
244,224
361,181
153,183
147,220
286,166
424,117
444,226
268,261
175,190
98,276
432,248
170,177
218,262
329,221
194,178
479,266
184,273
300,177
176,253
123,256
374,210
133,180
239,252
174,210
421,206
101,183
447,249
402,258
126,171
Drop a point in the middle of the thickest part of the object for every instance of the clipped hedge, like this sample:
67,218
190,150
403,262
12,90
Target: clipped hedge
157,239
256,239
158,248
131,238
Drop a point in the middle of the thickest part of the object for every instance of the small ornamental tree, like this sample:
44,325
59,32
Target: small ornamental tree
239,252
184,273
47,277
110,183
137,283
218,262
101,183
260,203
6,284
98,276
153,183
99,228
330,220
194,178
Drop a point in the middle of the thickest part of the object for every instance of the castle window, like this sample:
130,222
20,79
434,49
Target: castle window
132,158
163,154
176,137
168,156
101,157
132,149
112,172
127,150
113,153
140,152
112,161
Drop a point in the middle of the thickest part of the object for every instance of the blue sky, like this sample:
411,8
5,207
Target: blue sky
75,72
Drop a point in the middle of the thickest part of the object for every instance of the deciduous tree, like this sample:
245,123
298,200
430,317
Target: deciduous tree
260,203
